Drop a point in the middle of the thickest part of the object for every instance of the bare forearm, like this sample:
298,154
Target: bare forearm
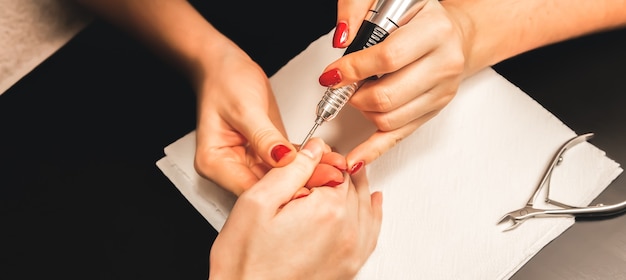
172,28
499,29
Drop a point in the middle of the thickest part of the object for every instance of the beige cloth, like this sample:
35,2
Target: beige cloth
31,31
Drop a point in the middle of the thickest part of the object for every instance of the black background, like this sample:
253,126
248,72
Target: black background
82,198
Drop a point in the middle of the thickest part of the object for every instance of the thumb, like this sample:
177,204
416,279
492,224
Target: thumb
266,139
279,185
381,141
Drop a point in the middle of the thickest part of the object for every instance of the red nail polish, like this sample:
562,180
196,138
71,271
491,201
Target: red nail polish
279,151
356,167
341,35
330,77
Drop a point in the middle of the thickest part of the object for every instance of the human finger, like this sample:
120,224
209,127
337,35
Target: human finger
396,89
370,210
381,141
422,104
350,15
330,170
280,184
405,45
263,135
325,175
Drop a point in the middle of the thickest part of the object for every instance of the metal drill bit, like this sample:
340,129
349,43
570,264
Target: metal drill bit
318,122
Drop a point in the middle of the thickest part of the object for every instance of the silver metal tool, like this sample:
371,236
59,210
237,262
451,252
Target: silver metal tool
384,17
518,216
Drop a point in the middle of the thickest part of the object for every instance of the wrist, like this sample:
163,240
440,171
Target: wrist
467,27
209,51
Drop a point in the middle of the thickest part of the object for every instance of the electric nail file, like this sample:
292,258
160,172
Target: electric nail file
384,17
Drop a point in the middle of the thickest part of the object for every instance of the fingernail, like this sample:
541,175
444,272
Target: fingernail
301,195
356,167
330,77
341,35
279,151
333,184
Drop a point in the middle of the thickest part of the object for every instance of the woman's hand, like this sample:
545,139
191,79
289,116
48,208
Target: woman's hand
328,234
422,63
240,134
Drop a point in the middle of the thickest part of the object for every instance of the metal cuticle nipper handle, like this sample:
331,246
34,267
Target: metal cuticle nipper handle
518,216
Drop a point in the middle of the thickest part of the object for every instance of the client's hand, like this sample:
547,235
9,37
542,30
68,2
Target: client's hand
327,234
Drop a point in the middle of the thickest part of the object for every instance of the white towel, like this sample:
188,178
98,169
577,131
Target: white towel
446,185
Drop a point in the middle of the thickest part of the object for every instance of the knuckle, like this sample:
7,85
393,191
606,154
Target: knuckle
261,136
204,165
394,139
384,122
382,99
350,69
446,98
390,57
442,30
350,247
456,62
334,215
253,200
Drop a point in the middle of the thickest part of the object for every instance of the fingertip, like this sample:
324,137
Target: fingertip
377,198
302,192
352,14
340,36
377,206
356,167
335,159
368,151
282,154
314,148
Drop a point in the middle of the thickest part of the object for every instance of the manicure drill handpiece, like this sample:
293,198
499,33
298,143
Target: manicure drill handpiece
384,17
330,105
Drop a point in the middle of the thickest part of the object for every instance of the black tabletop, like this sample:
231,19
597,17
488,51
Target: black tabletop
82,198
583,83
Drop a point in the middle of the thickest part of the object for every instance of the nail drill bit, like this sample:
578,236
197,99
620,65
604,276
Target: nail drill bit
384,17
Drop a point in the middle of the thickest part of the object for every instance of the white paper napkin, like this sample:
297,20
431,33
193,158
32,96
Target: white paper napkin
446,185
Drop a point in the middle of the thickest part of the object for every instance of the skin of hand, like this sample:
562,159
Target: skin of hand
328,234
421,64
238,122
424,61
240,134
497,30
236,117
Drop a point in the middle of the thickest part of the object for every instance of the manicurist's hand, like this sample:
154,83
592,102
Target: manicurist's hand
422,64
240,134
327,234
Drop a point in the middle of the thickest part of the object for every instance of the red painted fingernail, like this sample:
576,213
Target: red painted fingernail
356,167
330,77
333,184
279,151
341,35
